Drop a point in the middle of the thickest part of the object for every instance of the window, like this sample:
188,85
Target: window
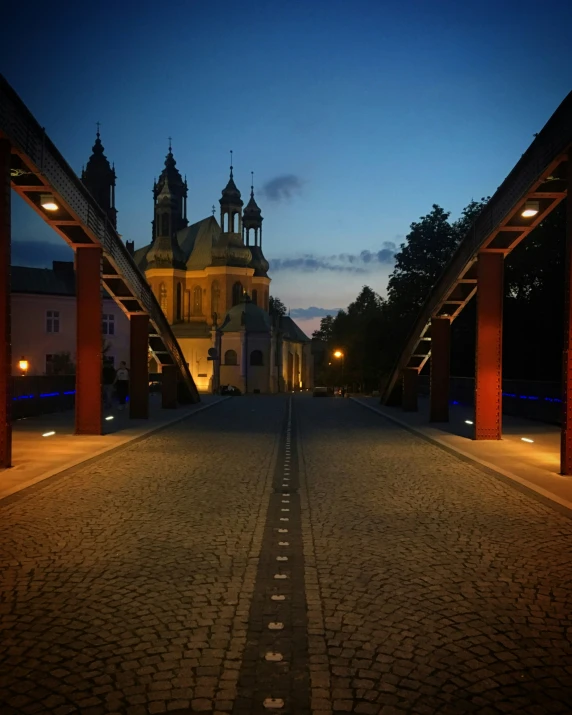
255,297
197,300
163,298
179,302
53,321
230,358
215,297
237,293
256,358
108,324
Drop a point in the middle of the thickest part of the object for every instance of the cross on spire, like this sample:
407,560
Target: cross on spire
170,140
213,209
231,163
98,124
252,183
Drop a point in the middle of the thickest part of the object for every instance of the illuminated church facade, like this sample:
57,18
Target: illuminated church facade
211,280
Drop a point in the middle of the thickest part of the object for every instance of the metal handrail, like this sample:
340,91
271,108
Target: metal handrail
23,131
552,141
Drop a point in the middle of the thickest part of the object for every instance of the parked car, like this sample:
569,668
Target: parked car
230,390
320,392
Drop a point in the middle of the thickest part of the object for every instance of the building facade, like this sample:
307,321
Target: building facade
44,321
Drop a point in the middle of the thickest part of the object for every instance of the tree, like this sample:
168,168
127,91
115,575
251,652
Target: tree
324,332
276,306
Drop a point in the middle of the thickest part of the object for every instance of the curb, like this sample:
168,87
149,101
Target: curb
548,498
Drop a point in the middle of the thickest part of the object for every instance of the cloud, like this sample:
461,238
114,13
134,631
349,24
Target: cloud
363,262
39,254
312,312
282,187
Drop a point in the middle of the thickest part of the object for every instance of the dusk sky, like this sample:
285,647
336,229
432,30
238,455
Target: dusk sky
355,116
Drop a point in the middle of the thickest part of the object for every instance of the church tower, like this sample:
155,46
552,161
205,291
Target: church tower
231,206
252,219
165,251
99,179
178,189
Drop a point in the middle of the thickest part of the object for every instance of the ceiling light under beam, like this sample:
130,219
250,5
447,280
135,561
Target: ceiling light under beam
48,202
531,208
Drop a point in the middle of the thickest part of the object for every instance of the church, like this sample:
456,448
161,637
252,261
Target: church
211,281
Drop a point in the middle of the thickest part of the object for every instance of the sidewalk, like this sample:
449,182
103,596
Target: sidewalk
36,457
533,465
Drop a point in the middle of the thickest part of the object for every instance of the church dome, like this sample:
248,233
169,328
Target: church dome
258,262
247,316
230,193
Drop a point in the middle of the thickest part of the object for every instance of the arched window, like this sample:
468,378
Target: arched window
179,302
255,297
165,224
237,293
230,357
197,300
225,222
233,229
256,358
163,298
215,297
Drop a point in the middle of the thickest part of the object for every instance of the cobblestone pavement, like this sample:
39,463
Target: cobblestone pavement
408,581
126,586
432,587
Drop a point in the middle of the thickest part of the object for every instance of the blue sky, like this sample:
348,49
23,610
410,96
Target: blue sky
355,116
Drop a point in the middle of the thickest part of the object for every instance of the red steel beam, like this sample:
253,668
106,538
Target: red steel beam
88,402
488,368
440,369
410,380
566,434
139,373
5,323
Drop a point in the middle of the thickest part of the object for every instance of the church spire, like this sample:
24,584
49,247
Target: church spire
231,206
99,179
177,186
252,218
165,251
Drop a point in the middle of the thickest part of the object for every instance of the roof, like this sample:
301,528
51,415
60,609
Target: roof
291,331
44,281
58,280
247,316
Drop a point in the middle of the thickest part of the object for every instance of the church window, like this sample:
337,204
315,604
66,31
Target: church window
215,297
165,225
237,293
255,297
163,297
256,358
230,357
197,300
179,302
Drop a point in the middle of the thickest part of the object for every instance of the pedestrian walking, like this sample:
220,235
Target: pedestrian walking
108,379
122,383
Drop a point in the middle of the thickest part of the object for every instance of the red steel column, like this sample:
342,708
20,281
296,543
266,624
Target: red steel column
88,402
566,435
169,387
5,311
139,373
410,379
440,369
488,368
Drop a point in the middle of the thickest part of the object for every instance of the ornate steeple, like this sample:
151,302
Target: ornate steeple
231,206
252,218
177,186
165,251
99,179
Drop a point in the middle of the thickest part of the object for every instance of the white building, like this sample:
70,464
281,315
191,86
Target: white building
44,320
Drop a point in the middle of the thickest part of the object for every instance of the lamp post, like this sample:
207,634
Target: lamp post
340,356
23,365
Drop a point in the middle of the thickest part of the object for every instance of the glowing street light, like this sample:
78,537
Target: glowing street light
23,365
531,208
48,202
340,355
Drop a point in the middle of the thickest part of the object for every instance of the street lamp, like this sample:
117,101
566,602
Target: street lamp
339,354
23,365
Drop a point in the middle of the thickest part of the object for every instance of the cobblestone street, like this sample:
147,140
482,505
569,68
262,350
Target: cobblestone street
256,558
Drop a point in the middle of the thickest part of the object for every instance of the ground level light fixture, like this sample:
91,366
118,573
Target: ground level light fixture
23,365
48,202
531,208
526,439
48,434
